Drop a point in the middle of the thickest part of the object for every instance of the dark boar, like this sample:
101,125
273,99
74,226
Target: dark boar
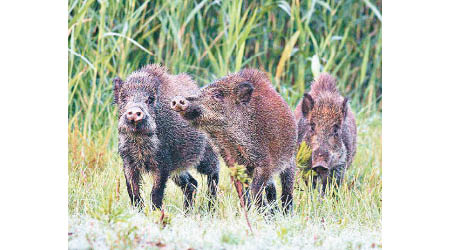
250,124
327,124
153,138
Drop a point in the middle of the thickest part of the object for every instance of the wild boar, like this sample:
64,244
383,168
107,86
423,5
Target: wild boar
327,125
250,124
153,138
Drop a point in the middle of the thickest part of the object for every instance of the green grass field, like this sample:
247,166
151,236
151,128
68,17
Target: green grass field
292,41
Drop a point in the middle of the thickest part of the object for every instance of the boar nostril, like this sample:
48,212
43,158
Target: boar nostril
179,104
138,114
130,113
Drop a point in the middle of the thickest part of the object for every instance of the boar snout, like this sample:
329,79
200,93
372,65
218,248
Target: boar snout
187,109
135,114
179,104
320,159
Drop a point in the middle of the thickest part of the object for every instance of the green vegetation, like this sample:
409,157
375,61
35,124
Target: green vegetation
292,41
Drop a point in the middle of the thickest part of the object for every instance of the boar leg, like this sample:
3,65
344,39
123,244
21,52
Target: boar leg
188,184
246,193
271,194
315,179
260,179
338,174
213,183
332,177
209,166
336,177
287,187
159,184
133,180
246,189
326,178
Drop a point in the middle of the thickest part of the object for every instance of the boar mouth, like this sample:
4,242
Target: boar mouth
140,128
192,113
320,167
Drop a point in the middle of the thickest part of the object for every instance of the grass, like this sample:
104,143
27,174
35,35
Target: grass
100,212
292,41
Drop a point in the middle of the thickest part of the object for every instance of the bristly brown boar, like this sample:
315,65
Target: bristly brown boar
327,124
153,138
250,124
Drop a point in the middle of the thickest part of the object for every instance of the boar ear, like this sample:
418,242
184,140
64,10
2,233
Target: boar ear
244,91
307,104
345,107
117,85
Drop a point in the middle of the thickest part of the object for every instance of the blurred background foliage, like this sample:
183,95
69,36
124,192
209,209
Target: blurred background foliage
292,41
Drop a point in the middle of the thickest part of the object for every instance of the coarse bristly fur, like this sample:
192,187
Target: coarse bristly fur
250,124
162,143
327,124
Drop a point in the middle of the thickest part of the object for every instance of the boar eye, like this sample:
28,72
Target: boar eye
218,95
335,129
150,100
313,126
123,96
